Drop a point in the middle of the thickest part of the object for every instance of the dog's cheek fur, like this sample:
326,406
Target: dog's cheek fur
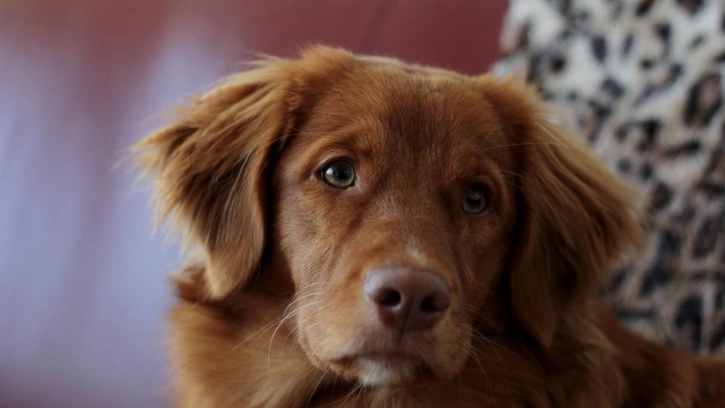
300,217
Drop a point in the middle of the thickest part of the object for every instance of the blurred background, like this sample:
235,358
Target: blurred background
83,295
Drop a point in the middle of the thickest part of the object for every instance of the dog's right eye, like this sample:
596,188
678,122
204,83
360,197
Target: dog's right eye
340,174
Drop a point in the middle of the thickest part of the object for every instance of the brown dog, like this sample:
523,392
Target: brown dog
381,234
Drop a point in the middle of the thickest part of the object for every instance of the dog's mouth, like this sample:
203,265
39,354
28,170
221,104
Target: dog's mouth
388,368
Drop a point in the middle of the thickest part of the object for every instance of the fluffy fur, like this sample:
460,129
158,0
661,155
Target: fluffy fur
274,315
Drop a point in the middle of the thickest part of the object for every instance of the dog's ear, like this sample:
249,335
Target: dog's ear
574,217
211,165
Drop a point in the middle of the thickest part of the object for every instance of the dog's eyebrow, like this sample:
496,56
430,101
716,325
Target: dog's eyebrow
350,139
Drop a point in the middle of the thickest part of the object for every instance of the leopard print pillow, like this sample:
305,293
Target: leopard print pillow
644,82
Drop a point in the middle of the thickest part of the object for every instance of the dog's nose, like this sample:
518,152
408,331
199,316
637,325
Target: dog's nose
407,299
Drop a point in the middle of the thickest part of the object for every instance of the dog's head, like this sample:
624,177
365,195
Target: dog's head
400,210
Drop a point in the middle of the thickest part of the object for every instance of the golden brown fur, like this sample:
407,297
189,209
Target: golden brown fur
274,315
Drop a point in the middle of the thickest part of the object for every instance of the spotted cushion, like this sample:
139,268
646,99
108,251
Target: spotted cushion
643,83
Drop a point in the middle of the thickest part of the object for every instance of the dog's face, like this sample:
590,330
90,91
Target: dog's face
399,210
394,206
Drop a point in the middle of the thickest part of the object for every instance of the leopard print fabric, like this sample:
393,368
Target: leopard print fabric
643,80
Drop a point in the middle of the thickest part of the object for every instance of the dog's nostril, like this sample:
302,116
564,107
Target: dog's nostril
389,297
437,302
429,305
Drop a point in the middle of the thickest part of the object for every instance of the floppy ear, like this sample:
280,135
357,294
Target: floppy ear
211,165
209,171
574,217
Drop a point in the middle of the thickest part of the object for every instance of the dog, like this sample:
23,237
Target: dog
379,234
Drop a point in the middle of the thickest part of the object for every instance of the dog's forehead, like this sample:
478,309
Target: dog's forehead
403,110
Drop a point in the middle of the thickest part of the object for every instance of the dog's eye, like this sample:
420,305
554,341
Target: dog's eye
474,201
340,174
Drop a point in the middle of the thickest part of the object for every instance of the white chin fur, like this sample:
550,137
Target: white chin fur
376,372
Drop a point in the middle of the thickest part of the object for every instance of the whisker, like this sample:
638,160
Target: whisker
559,144
344,398
298,299
470,350
312,394
319,283
304,326
286,318
521,176
258,333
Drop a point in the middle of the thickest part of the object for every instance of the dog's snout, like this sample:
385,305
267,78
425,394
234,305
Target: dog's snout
407,299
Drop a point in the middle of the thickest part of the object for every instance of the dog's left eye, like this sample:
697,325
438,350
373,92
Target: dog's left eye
340,174
474,200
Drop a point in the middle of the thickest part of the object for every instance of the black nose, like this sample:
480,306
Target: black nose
407,299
